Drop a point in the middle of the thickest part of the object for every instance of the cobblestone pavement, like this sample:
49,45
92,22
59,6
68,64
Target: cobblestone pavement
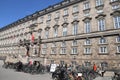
10,74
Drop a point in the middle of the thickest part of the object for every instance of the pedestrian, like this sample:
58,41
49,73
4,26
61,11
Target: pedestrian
94,67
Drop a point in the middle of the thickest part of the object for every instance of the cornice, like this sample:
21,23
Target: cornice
47,10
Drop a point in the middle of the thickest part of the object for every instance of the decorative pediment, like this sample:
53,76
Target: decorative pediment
117,12
87,19
39,30
65,24
75,21
47,28
100,16
56,26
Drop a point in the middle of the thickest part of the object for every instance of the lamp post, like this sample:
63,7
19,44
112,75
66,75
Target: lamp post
74,62
39,41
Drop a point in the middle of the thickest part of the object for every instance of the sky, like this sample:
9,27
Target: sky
12,10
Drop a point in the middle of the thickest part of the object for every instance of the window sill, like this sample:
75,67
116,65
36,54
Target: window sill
102,44
114,2
103,53
74,54
86,10
74,46
56,18
99,6
87,54
77,12
48,20
63,54
53,54
117,53
87,45
65,15
117,43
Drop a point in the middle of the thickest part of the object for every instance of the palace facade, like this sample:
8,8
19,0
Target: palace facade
72,31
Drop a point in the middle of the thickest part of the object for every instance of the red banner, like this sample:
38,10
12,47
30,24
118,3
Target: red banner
32,38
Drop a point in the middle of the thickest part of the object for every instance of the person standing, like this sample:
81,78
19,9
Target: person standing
94,67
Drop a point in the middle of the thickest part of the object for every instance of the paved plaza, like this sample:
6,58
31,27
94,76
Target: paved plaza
10,74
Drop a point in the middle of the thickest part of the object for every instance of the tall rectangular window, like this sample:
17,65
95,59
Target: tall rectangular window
87,64
49,17
74,43
46,34
87,27
116,22
103,49
74,50
113,0
118,49
55,32
87,42
41,19
118,39
63,50
87,50
75,29
101,24
53,51
115,7
64,31
57,15
75,9
99,2
65,11
86,5
102,40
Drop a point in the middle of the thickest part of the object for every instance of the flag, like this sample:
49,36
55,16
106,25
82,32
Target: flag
32,37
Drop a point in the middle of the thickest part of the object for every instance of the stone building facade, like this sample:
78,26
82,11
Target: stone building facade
72,31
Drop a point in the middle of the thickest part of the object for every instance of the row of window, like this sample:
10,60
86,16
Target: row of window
87,49
101,27
76,9
74,50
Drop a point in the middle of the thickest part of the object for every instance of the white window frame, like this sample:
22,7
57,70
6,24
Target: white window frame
75,29
65,11
115,7
113,0
86,5
87,50
53,51
41,19
44,50
63,50
46,34
99,2
118,39
75,8
116,20
49,17
103,49
118,49
87,42
64,33
57,15
63,44
55,32
102,40
74,50
74,43
87,27
101,24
